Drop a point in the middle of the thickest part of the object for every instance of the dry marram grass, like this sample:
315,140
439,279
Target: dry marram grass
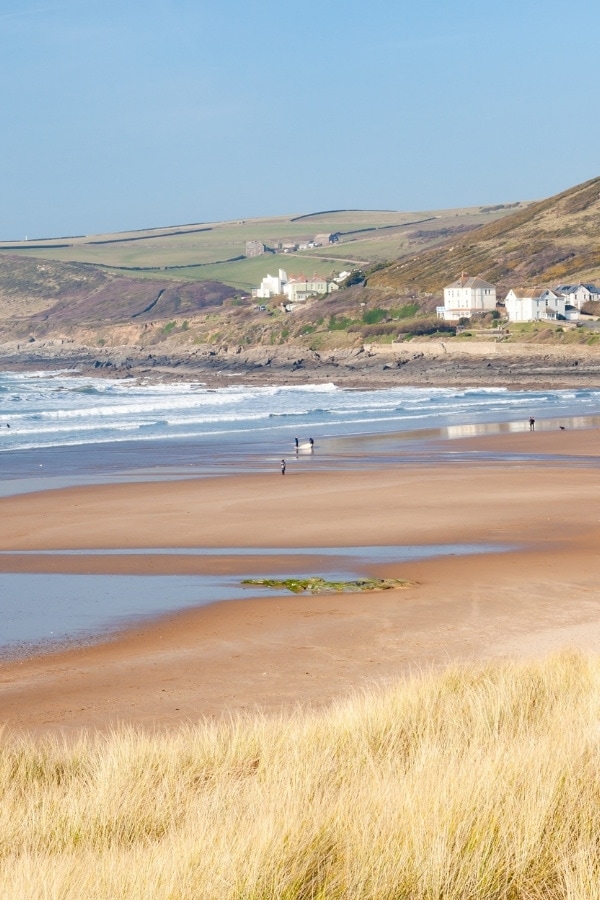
473,783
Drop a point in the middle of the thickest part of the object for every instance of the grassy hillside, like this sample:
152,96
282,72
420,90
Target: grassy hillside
39,296
473,783
216,251
549,242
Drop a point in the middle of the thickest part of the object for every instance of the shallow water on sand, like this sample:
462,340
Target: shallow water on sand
50,610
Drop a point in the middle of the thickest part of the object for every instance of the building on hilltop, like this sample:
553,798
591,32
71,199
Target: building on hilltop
254,248
466,296
320,240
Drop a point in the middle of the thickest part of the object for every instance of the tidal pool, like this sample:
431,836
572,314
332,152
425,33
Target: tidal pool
41,612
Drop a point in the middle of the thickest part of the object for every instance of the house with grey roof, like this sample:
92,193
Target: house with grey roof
578,294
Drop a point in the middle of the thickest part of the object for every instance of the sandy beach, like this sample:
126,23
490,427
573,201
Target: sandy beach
539,596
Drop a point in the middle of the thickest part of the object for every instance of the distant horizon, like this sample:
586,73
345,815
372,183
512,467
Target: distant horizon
236,219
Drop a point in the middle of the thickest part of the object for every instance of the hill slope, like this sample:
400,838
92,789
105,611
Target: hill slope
44,295
552,241
217,251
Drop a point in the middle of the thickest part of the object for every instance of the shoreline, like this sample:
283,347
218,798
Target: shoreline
416,363
279,651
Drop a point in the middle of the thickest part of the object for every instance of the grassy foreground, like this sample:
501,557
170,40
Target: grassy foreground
474,783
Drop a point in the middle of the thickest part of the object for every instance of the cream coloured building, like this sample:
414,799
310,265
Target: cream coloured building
298,289
465,296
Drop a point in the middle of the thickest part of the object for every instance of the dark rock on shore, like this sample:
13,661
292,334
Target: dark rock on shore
517,367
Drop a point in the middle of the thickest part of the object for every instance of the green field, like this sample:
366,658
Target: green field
211,250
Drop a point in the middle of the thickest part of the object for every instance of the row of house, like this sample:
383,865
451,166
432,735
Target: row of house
466,296
462,298
295,289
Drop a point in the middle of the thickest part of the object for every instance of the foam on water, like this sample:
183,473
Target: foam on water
61,411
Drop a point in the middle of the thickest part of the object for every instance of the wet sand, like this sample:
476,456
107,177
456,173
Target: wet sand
281,651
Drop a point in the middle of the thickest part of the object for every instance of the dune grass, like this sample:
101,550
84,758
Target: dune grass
480,782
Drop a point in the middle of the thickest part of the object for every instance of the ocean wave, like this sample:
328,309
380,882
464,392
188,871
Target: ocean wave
59,410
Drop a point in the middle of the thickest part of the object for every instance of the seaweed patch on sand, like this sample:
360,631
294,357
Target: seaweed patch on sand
321,586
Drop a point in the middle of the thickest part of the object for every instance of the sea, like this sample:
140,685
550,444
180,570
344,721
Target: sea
59,429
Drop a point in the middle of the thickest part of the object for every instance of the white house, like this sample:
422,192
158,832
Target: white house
271,286
465,296
578,294
531,306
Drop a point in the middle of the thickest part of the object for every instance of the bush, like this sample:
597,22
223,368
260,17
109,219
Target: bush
426,326
384,328
374,316
355,277
591,308
408,311
340,324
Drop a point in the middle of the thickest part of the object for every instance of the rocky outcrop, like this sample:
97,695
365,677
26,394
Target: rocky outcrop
518,366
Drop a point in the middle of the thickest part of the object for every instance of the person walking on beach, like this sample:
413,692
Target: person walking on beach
312,444
283,466
531,423
297,443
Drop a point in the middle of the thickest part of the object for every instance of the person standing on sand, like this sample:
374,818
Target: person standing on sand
296,443
283,466
312,444
531,423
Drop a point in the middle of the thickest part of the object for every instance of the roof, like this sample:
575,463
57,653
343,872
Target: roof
302,279
464,282
531,293
571,288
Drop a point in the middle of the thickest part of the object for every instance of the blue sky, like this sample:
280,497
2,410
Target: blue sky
123,115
